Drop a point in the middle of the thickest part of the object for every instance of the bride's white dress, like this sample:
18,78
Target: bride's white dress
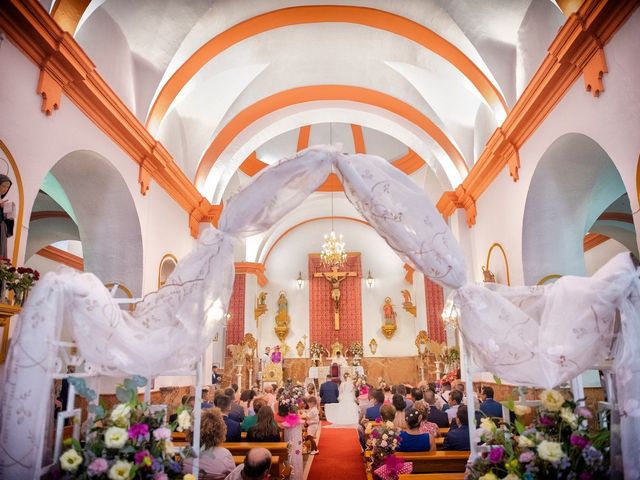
346,411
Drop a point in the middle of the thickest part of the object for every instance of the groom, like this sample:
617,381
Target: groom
328,392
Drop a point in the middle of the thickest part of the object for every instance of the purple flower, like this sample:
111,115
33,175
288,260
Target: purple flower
162,433
138,430
546,421
585,476
97,467
579,441
583,412
496,454
142,457
375,434
526,457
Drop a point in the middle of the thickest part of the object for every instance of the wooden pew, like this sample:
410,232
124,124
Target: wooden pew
432,476
279,449
436,462
275,464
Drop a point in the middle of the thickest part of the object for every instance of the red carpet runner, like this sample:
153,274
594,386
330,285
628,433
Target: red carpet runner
339,456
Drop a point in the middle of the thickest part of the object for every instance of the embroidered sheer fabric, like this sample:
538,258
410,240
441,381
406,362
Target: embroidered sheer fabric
534,336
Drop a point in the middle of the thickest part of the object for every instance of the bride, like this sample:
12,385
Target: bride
345,412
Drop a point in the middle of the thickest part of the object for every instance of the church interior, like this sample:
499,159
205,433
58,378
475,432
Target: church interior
128,130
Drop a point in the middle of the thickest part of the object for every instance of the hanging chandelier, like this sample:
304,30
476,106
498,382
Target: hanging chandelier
333,253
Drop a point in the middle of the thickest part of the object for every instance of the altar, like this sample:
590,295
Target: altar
321,373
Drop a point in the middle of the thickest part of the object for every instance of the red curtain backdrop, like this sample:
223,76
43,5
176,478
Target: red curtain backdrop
435,303
235,325
321,325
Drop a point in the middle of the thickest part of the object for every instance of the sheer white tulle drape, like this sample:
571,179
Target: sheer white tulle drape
533,336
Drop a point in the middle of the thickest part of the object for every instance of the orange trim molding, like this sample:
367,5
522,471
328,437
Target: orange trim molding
60,256
303,137
358,139
617,217
68,13
369,17
66,68
592,240
252,268
577,49
312,93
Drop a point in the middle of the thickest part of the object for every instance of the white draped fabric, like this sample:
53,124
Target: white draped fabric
534,336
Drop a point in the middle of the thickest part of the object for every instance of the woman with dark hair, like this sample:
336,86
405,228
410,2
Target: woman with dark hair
6,214
215,461
266,429
246,401
399,404
412,440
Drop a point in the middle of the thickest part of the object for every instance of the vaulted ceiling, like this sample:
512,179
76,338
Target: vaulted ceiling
228,86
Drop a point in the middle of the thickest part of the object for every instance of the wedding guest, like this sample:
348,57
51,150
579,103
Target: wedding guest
374,412
455,400
412,440
364,403
265,429
458,438
446,391
246,402
388,394
256,466
216,376
237,412
312,420
223,402
250,420
426,426
435,415
387,413
205,403
399,404
402,390
215,461
489,406
269,395
329,392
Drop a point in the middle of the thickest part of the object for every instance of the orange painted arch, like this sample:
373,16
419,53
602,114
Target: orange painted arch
304,222
314,93
285,17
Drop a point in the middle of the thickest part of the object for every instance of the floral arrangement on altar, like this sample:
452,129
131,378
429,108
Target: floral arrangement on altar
357,351
127,442
451,376
317,350
18,280
450,356
556,445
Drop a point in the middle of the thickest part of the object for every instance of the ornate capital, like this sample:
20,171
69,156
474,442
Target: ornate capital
593,72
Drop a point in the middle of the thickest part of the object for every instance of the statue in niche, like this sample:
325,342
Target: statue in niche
282,317
406,295
488,275
7,214
389,312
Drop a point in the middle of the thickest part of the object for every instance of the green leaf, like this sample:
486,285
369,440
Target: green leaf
76,444
519,426
123,395
139,381
497,380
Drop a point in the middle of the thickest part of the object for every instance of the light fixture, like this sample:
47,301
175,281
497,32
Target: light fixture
333,253
450,313
370,280
300,280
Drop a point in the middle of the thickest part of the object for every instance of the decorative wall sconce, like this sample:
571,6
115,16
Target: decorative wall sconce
300,280
373,346
370,280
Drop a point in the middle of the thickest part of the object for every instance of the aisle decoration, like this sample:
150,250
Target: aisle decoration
128,441
292,396
556,445
382,444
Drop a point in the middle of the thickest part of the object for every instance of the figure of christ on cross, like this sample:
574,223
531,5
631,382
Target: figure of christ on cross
335,278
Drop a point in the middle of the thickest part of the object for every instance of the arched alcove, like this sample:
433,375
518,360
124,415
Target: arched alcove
573,186
104,218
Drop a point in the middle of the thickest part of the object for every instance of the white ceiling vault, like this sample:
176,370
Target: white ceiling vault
217,81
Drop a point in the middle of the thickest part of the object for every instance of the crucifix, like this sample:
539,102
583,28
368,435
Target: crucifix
335,278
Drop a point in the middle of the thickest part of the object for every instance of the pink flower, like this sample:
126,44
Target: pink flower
97,467
138,430
162,433
526,457
546,421
160,476
583,412
579,441
496,454
142,457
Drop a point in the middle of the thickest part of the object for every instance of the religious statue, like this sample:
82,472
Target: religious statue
262,299
282,317
407,304
261,306
488,275
406,295
389,312
335,278
389,326
7,214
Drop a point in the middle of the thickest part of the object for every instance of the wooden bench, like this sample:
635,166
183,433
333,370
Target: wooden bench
432,476
275,464
436,462
279,449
